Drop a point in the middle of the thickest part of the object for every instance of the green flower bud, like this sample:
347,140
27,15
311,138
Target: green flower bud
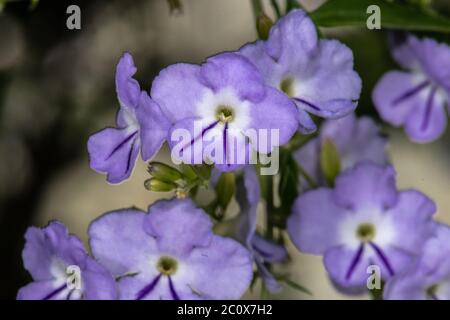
157,185
330,161
225,189
164,172
263,25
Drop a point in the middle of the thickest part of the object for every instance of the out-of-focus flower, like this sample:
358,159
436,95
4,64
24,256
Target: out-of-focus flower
316,74
356,139
53,257
248,195
227,97
363,221
429,277
170,253
416,98
140,125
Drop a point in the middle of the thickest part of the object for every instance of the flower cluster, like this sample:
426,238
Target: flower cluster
336,185
362,221
168,253
416,98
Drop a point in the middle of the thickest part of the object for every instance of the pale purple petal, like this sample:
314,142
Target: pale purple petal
171,223
267,277
347,267
401,50
275,112
114,152
154,126
413,211
177,90
119,242
269,251
429,120
48,253
97,282
397,94
366,186
222,269
189,138
312,225
427,278
128,89
235,71
306,123
42,246
328,85
295,32
433,58
42,290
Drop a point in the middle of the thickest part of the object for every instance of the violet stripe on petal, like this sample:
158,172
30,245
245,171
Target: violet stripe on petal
383,257
54,292
355,261
130,153
263,253
212,125
172,290
309,104
428,109
148,288
120,145
225,144
411,92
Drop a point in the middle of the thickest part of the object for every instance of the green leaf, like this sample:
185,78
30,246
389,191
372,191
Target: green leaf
292,4
33,4
297,287
175,6
2,5
188,171
330,162
336,13
225,189
289,176
203,171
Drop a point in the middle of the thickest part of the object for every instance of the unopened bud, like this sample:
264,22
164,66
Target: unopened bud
157,185
164,172
263,25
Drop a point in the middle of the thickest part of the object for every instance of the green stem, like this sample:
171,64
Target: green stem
299,141
276,8
293,4
269,206
257,8
313,184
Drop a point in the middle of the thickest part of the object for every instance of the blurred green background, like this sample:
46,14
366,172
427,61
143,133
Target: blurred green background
57,87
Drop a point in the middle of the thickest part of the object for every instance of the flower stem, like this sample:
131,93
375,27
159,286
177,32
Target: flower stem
313,184
269,207
276,8
257,8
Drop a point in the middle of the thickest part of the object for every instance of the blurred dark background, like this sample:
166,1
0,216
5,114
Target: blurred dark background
57,87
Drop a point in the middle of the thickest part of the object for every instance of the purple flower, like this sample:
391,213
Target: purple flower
140,125
54,258
227,97
170,253
429,276
316,74
363,221
262,250
415,98
356,139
